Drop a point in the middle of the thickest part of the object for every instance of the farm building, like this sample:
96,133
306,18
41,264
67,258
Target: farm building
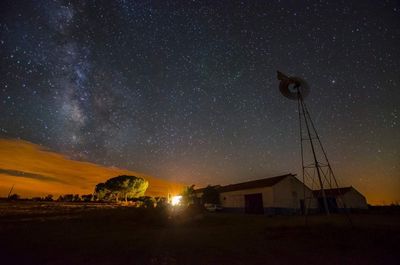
352,198
280,195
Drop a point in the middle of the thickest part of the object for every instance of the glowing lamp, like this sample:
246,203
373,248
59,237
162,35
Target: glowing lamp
176,200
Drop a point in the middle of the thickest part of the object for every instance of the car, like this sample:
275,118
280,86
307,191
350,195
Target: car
212,207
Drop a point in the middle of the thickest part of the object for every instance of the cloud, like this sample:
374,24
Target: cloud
17,173
37,171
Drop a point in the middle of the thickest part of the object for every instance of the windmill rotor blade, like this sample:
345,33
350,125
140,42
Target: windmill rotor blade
292,87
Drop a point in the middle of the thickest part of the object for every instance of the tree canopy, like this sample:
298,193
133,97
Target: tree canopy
188,196
121,187
210,195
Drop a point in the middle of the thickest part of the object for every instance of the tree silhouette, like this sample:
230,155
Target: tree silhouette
101,191
121,187
210,195
14,197
87,197
188,196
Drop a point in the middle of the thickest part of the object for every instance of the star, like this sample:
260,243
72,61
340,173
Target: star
188,91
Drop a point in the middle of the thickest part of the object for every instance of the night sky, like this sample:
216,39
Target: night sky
187,90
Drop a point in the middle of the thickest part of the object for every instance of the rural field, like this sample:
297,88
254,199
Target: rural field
57,233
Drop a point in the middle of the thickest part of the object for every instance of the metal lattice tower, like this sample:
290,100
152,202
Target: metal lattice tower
317,172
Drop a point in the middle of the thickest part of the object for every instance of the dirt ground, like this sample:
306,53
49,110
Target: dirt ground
56,233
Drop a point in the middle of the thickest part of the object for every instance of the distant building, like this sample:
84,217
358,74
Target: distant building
352,198
280,195
276,195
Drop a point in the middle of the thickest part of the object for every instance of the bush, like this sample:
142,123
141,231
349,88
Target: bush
14,197
87,197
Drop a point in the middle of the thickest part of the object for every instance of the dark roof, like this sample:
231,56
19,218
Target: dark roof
202,189
259,183
332,192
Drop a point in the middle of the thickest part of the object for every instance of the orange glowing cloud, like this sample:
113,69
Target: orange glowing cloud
37,171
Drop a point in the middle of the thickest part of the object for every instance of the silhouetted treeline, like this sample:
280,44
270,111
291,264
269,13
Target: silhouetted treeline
393,208
76,198
48,198
142,201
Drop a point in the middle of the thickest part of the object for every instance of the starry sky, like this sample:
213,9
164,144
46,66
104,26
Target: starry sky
187,90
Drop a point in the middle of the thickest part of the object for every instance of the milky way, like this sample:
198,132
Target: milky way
187,90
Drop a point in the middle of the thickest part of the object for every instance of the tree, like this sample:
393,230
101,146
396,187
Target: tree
210,195
188,196
101,191
68,198
87,197
76,198
148,202
122,187
14,197
161,202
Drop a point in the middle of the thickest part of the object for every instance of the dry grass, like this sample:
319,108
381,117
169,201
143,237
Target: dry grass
50,233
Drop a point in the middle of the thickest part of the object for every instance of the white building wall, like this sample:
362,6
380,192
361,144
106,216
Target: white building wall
289,192
235,199
285,194
353,200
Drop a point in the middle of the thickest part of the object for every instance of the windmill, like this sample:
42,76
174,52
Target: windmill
9,194
316,169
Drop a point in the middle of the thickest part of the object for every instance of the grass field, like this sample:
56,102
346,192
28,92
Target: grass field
55,233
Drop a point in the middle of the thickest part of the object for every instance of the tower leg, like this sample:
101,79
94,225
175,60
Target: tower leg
316,163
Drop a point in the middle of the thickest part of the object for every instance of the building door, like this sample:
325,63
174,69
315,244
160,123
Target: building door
302,207
254,203
332,204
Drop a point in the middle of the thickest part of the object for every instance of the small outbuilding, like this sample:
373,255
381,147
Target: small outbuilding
351,198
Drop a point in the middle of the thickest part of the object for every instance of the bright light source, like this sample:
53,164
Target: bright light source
176,200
